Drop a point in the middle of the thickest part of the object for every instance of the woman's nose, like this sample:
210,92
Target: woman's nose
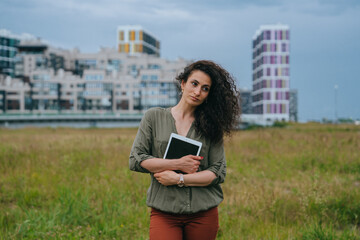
197,91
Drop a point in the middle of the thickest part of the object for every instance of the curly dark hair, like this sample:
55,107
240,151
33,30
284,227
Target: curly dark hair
218,115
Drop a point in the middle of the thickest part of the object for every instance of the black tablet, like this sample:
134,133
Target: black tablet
179,146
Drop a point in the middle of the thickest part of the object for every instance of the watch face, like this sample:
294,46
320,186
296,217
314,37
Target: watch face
181,181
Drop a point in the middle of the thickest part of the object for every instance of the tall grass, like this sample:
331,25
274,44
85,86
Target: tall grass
297,182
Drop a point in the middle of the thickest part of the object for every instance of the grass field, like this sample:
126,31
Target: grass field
297,182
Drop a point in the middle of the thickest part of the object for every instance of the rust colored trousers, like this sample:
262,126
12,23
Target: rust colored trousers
167,226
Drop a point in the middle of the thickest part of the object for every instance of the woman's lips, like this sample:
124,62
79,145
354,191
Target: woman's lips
194,99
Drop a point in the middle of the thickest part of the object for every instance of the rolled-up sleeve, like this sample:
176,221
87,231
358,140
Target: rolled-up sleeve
141,149
217,162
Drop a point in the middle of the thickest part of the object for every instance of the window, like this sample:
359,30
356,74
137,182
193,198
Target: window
268,108
266,95
267,35
265,59
94,77
268,72
121,35
286,72
153,66
272,59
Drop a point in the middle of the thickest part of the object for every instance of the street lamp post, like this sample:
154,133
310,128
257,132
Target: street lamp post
336,114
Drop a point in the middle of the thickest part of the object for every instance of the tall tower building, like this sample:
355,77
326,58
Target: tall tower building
133,39
271,78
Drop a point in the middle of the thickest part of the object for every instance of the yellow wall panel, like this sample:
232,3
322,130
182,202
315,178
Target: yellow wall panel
132,35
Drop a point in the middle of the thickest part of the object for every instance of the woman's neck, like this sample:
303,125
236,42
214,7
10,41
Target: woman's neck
183,110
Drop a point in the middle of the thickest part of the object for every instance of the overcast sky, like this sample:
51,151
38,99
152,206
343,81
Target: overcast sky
324,37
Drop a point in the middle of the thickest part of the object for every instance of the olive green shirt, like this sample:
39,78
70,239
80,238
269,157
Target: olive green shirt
151,141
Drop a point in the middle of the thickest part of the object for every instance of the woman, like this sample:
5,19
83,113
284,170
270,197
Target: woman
184,206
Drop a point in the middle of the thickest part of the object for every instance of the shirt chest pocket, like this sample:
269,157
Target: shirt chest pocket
159,148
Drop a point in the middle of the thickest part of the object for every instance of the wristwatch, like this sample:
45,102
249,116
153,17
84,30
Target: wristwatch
181,182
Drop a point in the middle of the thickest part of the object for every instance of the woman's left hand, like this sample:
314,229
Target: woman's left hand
167,177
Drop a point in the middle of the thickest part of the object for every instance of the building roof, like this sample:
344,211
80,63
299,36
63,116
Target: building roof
278,26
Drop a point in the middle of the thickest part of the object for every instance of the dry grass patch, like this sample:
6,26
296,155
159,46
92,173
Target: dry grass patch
297,182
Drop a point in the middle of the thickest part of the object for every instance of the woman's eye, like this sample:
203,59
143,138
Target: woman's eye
194,84
206,89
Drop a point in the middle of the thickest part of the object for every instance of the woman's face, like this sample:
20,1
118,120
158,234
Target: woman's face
196,89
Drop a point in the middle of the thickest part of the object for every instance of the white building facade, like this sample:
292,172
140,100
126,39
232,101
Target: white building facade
271,73
107,81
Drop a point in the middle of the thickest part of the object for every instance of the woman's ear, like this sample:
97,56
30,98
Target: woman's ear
182,85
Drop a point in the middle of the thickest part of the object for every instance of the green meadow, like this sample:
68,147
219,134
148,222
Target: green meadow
301,181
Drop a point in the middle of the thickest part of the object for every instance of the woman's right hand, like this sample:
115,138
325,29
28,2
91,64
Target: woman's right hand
189,163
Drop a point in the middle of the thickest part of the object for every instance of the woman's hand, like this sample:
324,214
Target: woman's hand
190,163
167,177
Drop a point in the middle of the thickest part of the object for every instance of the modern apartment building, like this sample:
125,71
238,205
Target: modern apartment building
271,72
245,101
133,39
33,54
107,81
8,50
